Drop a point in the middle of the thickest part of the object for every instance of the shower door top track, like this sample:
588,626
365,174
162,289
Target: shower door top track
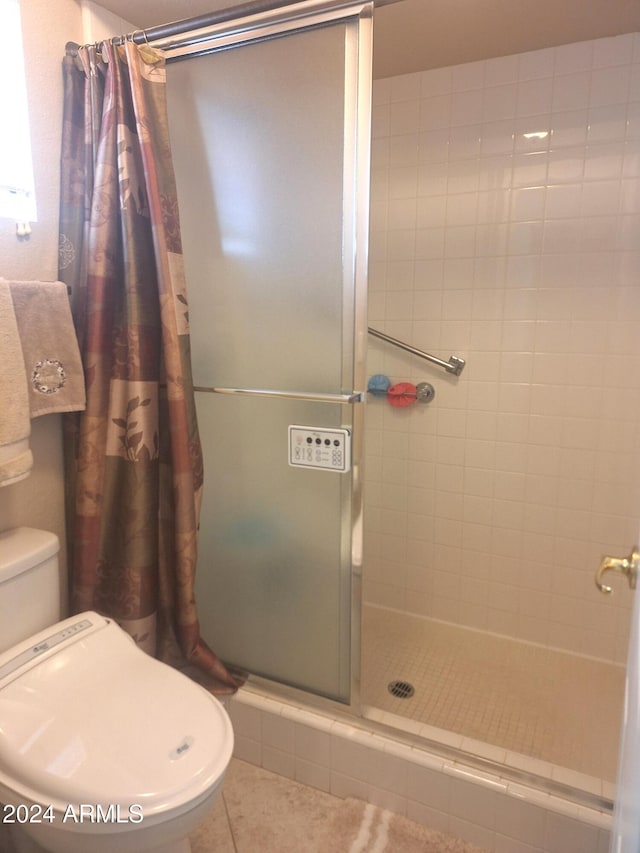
223,16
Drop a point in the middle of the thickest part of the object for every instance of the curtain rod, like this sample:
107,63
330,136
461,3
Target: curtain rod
254,7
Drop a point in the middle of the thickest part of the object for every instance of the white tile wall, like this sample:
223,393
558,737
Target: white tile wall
506,229
331,754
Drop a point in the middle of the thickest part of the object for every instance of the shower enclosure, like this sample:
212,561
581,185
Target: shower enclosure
505,227
273,183
488,510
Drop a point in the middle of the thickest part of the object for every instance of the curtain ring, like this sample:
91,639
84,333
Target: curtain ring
91,58
132,36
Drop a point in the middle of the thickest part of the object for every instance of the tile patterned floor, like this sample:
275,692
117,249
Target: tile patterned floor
546,704
260,812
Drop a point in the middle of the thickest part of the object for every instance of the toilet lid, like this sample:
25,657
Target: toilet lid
95,720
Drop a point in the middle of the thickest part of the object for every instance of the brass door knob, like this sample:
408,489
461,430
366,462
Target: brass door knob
626,565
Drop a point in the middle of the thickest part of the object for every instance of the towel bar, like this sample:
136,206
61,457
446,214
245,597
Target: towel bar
455,364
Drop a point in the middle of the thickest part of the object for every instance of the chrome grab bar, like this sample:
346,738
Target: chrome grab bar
455,364
354,397
626,565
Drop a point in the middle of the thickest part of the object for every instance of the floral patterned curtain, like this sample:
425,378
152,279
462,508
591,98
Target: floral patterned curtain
134,463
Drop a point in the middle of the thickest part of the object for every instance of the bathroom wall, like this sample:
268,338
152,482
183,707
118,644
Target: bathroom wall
505,229
99,23
47,25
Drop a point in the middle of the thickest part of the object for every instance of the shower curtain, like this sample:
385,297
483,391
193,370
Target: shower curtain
133,458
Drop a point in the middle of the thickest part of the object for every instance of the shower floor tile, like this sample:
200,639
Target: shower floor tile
549,705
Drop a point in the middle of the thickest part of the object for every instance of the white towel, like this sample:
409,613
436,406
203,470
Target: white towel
16,459
54,373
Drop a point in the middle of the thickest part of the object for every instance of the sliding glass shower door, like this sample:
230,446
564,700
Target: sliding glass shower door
269,122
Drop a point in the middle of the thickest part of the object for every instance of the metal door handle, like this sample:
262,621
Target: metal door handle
353,397
627,565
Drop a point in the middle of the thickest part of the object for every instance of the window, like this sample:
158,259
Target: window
17,197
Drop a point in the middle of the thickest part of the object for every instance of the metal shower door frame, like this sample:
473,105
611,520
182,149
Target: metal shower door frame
358,20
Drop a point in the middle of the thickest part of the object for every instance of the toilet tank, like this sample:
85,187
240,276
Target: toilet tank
29,583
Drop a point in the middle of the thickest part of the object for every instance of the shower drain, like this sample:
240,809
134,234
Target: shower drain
401,689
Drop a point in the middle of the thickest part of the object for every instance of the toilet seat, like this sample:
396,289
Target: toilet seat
88,718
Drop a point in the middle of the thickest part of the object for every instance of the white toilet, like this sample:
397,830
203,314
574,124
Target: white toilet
102,748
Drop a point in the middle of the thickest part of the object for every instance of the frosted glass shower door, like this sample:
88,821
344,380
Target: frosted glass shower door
270,136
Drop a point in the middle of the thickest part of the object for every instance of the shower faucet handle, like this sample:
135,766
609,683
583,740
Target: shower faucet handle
626,565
